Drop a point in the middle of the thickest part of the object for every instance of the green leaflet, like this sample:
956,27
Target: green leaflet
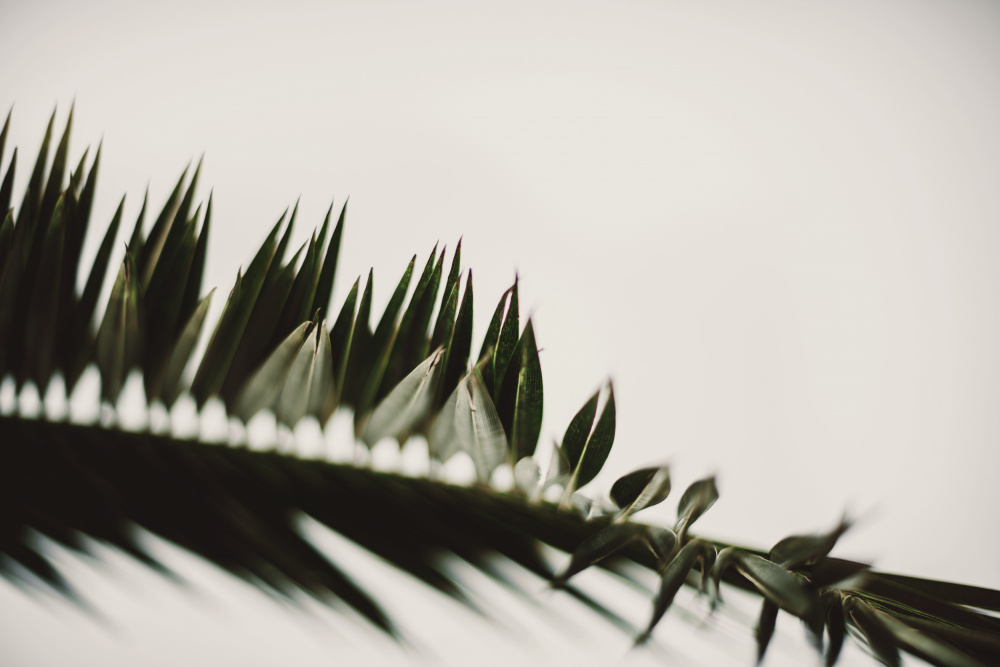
380,349
264,387
7,185
408,405
671,580
32,200
478,427
119,338
765,627
146,259
229,332
324,288
641,489
520,399
587,451
261,329
359,357
490,340
39,343
137,241
340,338
323,391
662,542
170,387
777,584
459,344
798,550
697,499
598,546
308,383
79,334
878,635
410,338
445,322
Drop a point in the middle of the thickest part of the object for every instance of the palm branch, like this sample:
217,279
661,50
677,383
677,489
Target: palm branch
279,347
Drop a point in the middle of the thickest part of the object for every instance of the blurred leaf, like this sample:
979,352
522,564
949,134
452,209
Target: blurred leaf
880,639
54,184
442,436
777,584
7,186
598,546
324,289
137,242
836,627
527,476
229,332
192,288
670,582
340,337
260,330
924,645
408,405
6,237
119,338
662,542
697,499
83,312
293,401
641,489
765,627
27,215
180,354
146,260
261,391
3,137
322,392
40,330
799,550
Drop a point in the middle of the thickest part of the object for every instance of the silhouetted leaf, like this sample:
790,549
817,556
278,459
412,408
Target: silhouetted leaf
777,584
879,637
765,627
641,489
324,287
798,550
180,354
598,546
588,459
697,499
119,338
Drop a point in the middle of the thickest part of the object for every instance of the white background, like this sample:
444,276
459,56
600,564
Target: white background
775,225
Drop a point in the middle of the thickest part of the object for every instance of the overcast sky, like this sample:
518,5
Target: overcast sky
775,225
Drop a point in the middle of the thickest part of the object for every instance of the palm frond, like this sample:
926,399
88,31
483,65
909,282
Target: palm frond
278,347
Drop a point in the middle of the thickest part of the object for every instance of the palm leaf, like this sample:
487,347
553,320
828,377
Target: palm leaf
274,347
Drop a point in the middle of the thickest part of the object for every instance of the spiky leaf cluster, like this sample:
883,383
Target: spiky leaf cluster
278,346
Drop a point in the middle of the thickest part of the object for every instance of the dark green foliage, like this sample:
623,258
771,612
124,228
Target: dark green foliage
274,348
587,450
